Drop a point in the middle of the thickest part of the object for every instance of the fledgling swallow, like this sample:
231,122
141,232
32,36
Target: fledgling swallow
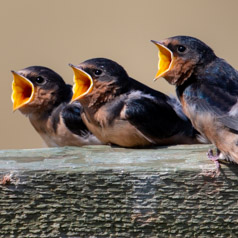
207,87
122,111
43,96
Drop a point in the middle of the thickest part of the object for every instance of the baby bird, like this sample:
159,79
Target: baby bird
207,87
122,111
42,95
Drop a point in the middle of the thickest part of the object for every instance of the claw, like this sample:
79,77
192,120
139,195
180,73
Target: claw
215,159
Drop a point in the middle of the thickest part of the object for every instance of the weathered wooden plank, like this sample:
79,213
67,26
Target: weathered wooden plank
100,191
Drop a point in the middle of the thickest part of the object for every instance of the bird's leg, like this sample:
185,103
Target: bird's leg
214,158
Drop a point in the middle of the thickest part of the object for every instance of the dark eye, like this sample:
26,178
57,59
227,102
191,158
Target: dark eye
181,48
40,80
97,71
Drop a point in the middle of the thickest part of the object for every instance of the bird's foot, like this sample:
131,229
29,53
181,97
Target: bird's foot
215,159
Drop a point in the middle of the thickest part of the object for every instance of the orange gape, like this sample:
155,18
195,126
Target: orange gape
165,60
83,83
22,91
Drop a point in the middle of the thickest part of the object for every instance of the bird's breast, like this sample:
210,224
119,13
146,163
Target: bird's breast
118,131
212,129
62,136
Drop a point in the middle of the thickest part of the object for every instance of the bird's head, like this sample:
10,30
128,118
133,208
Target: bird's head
97,76
179,57
37,88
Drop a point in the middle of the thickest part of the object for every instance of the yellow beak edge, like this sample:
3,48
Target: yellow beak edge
22,91
165,59
83,83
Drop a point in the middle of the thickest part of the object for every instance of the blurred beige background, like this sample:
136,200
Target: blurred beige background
57,32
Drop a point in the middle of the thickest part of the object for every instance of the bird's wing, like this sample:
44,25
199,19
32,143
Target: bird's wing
71,115
218,99
153,117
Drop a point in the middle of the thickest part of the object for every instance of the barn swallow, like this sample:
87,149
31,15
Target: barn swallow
42,95
122,111
207,87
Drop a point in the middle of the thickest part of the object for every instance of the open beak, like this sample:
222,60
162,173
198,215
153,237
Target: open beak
22,91
83,83
165,59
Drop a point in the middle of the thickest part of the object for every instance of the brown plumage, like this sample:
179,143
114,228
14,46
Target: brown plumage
207,87
120,110
42,95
